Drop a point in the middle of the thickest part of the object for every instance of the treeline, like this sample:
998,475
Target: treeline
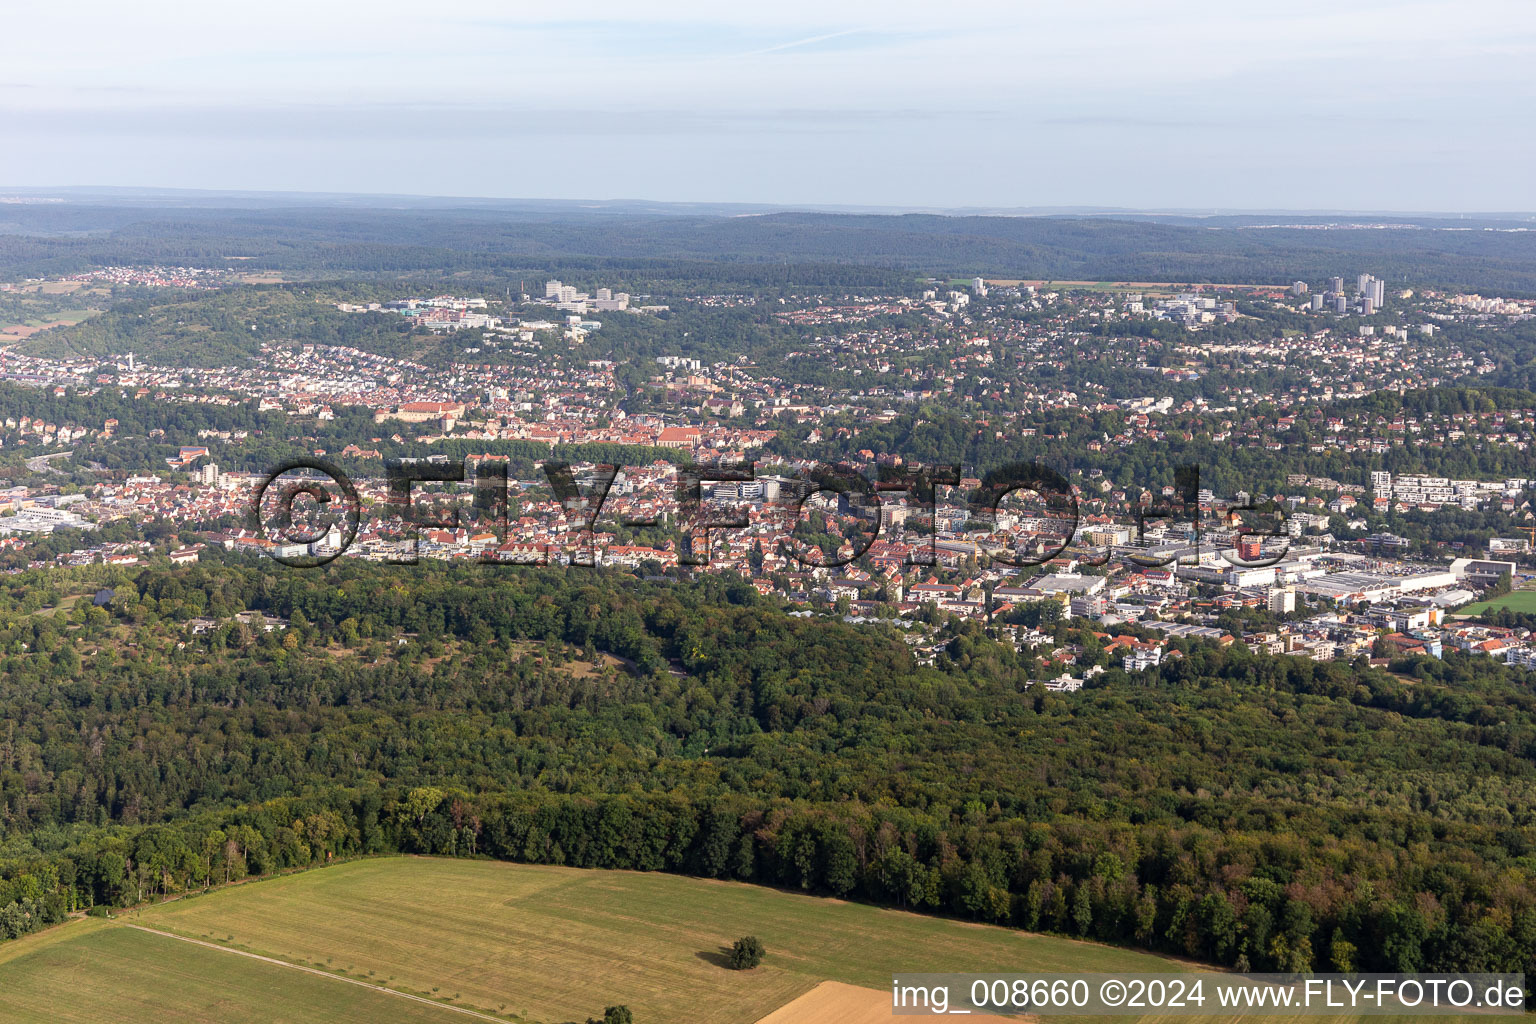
32,899
1183,888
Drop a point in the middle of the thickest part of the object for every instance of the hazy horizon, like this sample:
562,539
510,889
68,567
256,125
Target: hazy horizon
174,197
1195,106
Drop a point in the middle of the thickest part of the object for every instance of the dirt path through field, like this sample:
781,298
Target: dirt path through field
370,986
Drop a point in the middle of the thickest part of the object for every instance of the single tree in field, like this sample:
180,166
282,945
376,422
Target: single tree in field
615,1015
747,953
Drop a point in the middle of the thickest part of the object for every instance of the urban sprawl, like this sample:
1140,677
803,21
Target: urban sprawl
1043,368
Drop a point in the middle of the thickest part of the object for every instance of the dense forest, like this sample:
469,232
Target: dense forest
1256,811
320,240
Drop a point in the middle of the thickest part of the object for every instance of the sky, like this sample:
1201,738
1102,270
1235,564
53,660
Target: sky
1185,104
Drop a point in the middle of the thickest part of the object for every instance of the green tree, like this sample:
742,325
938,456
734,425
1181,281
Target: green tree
746,953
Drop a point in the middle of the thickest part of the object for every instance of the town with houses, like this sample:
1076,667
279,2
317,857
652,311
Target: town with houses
1038,365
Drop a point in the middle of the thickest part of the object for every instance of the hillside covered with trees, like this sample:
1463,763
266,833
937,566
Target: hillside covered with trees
1266,812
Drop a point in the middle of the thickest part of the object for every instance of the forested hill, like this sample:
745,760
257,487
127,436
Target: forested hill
319,240
1264,812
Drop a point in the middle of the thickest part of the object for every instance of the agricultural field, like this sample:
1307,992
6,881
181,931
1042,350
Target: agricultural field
94,972
30,309
488,940
20,330
550,943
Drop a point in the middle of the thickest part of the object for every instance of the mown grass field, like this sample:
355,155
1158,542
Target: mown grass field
553,943
519,942
93,972
1515,600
